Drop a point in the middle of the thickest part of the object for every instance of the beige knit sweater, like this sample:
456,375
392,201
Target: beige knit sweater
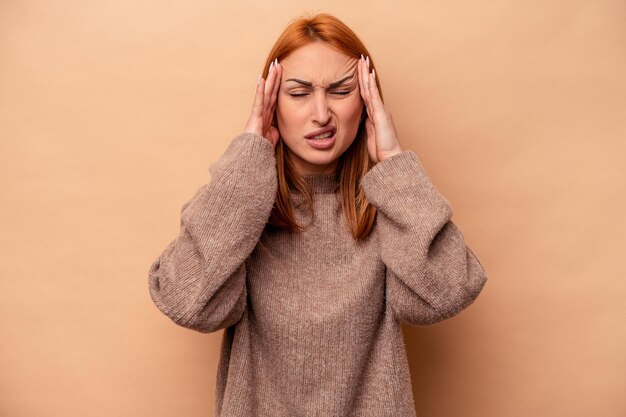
312,319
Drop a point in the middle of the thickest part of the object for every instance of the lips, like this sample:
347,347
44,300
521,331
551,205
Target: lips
321,131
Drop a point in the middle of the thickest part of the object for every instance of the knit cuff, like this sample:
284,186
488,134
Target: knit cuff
400,180
244,175
247,153
253,144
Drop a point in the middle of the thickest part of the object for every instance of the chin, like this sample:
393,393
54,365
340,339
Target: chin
319,157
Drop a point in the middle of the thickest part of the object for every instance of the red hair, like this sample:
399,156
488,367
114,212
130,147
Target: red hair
355,162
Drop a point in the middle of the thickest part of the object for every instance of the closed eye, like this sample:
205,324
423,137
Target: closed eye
341,93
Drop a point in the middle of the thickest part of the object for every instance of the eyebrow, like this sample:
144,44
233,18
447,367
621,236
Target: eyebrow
331,85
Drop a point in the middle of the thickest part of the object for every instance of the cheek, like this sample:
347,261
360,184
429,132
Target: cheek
290,110
291,117
350,109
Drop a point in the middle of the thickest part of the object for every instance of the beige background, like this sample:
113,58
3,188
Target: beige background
111,112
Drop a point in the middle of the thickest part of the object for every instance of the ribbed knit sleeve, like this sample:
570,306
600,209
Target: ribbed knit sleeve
199,280
431,273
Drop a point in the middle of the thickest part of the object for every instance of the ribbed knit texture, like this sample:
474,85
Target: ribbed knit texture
312,320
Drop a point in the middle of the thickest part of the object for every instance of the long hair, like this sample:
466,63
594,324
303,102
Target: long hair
354,163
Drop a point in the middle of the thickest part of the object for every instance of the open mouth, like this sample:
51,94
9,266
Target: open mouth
324,141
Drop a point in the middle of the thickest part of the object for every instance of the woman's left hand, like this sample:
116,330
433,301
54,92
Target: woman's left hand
382,139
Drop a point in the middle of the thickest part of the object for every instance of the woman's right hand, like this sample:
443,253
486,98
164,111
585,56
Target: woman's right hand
260,121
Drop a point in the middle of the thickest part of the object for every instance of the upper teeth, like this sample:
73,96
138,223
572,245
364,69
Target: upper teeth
325,135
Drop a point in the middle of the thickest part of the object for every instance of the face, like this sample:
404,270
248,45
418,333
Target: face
319,88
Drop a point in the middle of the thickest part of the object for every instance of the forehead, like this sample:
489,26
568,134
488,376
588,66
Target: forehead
319,63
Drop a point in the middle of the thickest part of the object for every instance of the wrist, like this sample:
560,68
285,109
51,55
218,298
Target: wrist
390,153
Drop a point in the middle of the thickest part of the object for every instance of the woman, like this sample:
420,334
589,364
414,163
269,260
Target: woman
309,252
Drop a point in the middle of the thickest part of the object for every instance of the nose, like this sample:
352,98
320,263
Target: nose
321,108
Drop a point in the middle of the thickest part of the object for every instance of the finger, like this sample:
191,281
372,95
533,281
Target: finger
266,99
275,92
257,106
279,72
360,82
363,86
271,76
268,112
364,73
374,94
361,78
367,84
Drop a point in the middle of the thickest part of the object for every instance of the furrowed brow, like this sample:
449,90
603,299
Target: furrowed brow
331,85
307,83
338,83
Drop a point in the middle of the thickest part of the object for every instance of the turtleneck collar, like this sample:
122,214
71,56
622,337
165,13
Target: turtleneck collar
322,183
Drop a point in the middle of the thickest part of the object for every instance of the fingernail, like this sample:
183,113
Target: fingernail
258,80
361,56
374,73
368,61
